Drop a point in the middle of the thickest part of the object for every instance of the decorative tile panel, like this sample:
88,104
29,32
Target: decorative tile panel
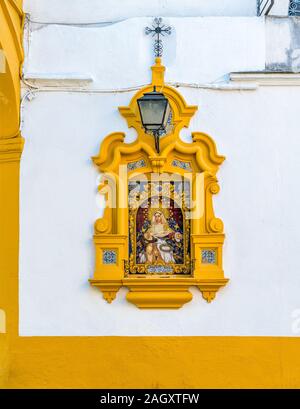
136,165
109,257
209,256
180,164
160,269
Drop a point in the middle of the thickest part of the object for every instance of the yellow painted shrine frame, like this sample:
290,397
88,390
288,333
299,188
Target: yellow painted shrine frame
198,162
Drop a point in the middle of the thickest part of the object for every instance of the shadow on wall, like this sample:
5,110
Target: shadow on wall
284,53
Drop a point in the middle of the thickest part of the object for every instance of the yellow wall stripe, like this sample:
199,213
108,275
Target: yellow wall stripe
155,362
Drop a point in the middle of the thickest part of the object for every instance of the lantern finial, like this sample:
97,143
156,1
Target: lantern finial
158,73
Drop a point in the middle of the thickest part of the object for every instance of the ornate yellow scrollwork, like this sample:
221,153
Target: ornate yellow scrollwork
158,252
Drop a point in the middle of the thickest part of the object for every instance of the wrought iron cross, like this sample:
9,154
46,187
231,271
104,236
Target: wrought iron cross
158,29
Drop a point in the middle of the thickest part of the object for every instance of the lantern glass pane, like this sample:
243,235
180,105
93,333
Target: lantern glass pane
166,117
153,113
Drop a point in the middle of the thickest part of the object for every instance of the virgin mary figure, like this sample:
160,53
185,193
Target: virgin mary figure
157,248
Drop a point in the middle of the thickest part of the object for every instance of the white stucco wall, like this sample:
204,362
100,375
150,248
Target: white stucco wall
95,11
196,51
258,202
280,8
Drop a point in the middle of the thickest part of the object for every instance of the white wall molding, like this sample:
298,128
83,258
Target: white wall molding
266,78
248,81
57,79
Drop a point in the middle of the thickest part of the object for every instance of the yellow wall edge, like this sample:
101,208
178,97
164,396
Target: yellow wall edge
11,22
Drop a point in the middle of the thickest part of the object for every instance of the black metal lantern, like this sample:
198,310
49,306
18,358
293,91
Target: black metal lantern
155,111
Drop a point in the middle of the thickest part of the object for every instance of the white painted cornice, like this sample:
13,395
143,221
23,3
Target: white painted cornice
238,81
57,80
266,78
